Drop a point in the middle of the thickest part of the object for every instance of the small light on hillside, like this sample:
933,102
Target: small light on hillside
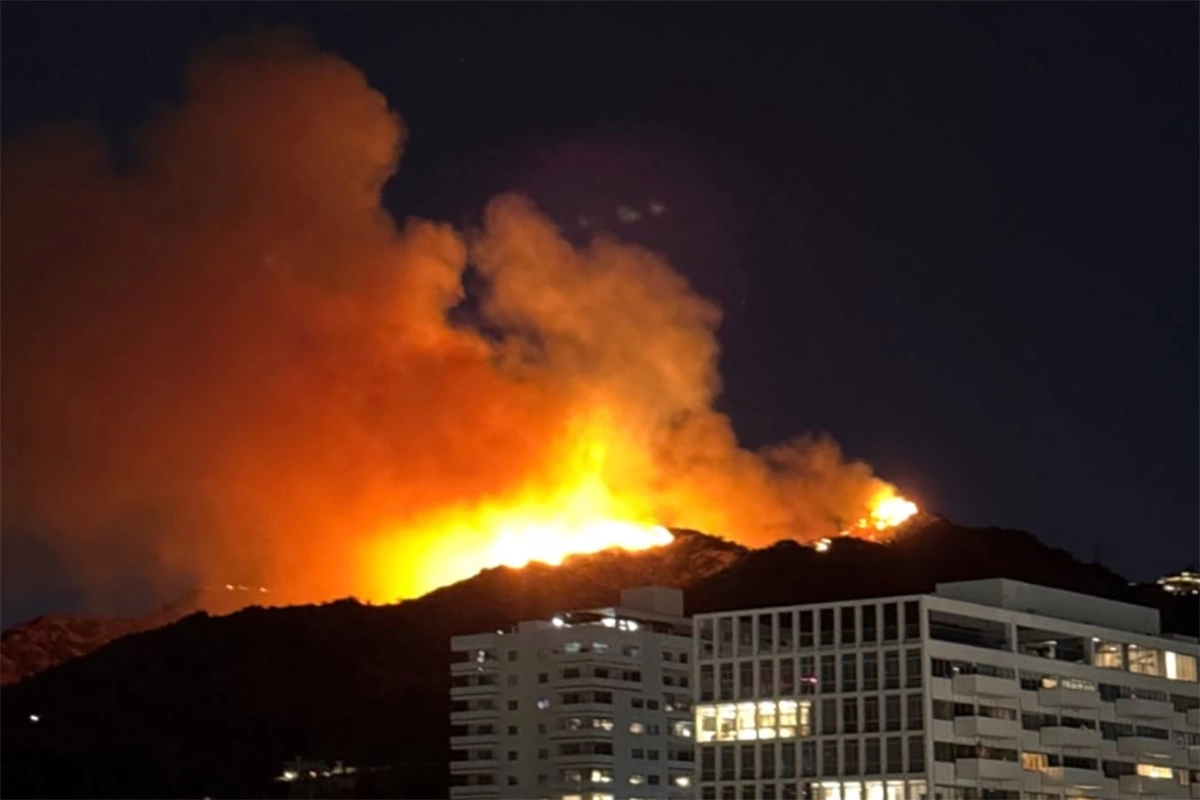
34,718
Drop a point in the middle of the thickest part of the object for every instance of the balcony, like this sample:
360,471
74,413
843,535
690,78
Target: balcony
480,690
1193,718
1140,708
988,770
473,739
474,715
480,765
985,685
1134,785
1074,777
1059,697
975,727
1143,748
1061,736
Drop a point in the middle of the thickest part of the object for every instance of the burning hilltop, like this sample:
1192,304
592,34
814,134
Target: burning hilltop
226,357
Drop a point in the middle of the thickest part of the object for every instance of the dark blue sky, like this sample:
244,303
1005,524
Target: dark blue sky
962,239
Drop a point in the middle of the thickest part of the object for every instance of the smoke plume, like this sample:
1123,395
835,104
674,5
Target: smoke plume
226,360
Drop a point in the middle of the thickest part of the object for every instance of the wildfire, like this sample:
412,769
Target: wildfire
887,510
577,513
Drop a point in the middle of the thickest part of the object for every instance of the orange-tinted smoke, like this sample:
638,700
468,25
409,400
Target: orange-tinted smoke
228,361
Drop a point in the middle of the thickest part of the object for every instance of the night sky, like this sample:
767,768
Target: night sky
962,239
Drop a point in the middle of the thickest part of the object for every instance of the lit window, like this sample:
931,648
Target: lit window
1181,667
745,721
1145,660
637,779
1035,762
1108,655
637,727
1155,771
682,780
543,703
601,776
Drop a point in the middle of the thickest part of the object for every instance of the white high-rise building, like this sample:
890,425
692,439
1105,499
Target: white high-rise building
589,705
984,689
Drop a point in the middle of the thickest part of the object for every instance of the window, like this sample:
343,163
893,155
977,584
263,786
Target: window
891,712
808,675
829,716
706,682
787,640
747,771
512,730
849,715
873,764
916,754
787,761
745,635
512,780
806,628
849,672
870,714
600,672
637,779
652,705
943,709
727,762
1180,667
829,757
512,680
766,761
724,637
890,623
828,674
912,620
512,655
708,763
808,759
637,728
766,637
891,669
869,634
766,677
1146,661
895,755
850,757
849,625
512,705
1155,771
1108,655
543,703
870,672
787,676
512,755
912,668
913,712
725,685
745,680
706,639
826,627
604,698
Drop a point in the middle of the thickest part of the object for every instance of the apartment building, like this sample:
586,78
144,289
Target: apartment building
983,689
587,705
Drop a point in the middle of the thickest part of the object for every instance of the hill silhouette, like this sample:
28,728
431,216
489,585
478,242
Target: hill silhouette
214,705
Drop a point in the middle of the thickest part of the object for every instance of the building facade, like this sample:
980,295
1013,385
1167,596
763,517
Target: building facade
984,689
589,705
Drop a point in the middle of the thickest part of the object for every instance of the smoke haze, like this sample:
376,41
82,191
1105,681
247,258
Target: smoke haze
227,362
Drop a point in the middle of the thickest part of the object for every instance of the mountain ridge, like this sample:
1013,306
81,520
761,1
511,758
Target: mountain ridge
213,705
